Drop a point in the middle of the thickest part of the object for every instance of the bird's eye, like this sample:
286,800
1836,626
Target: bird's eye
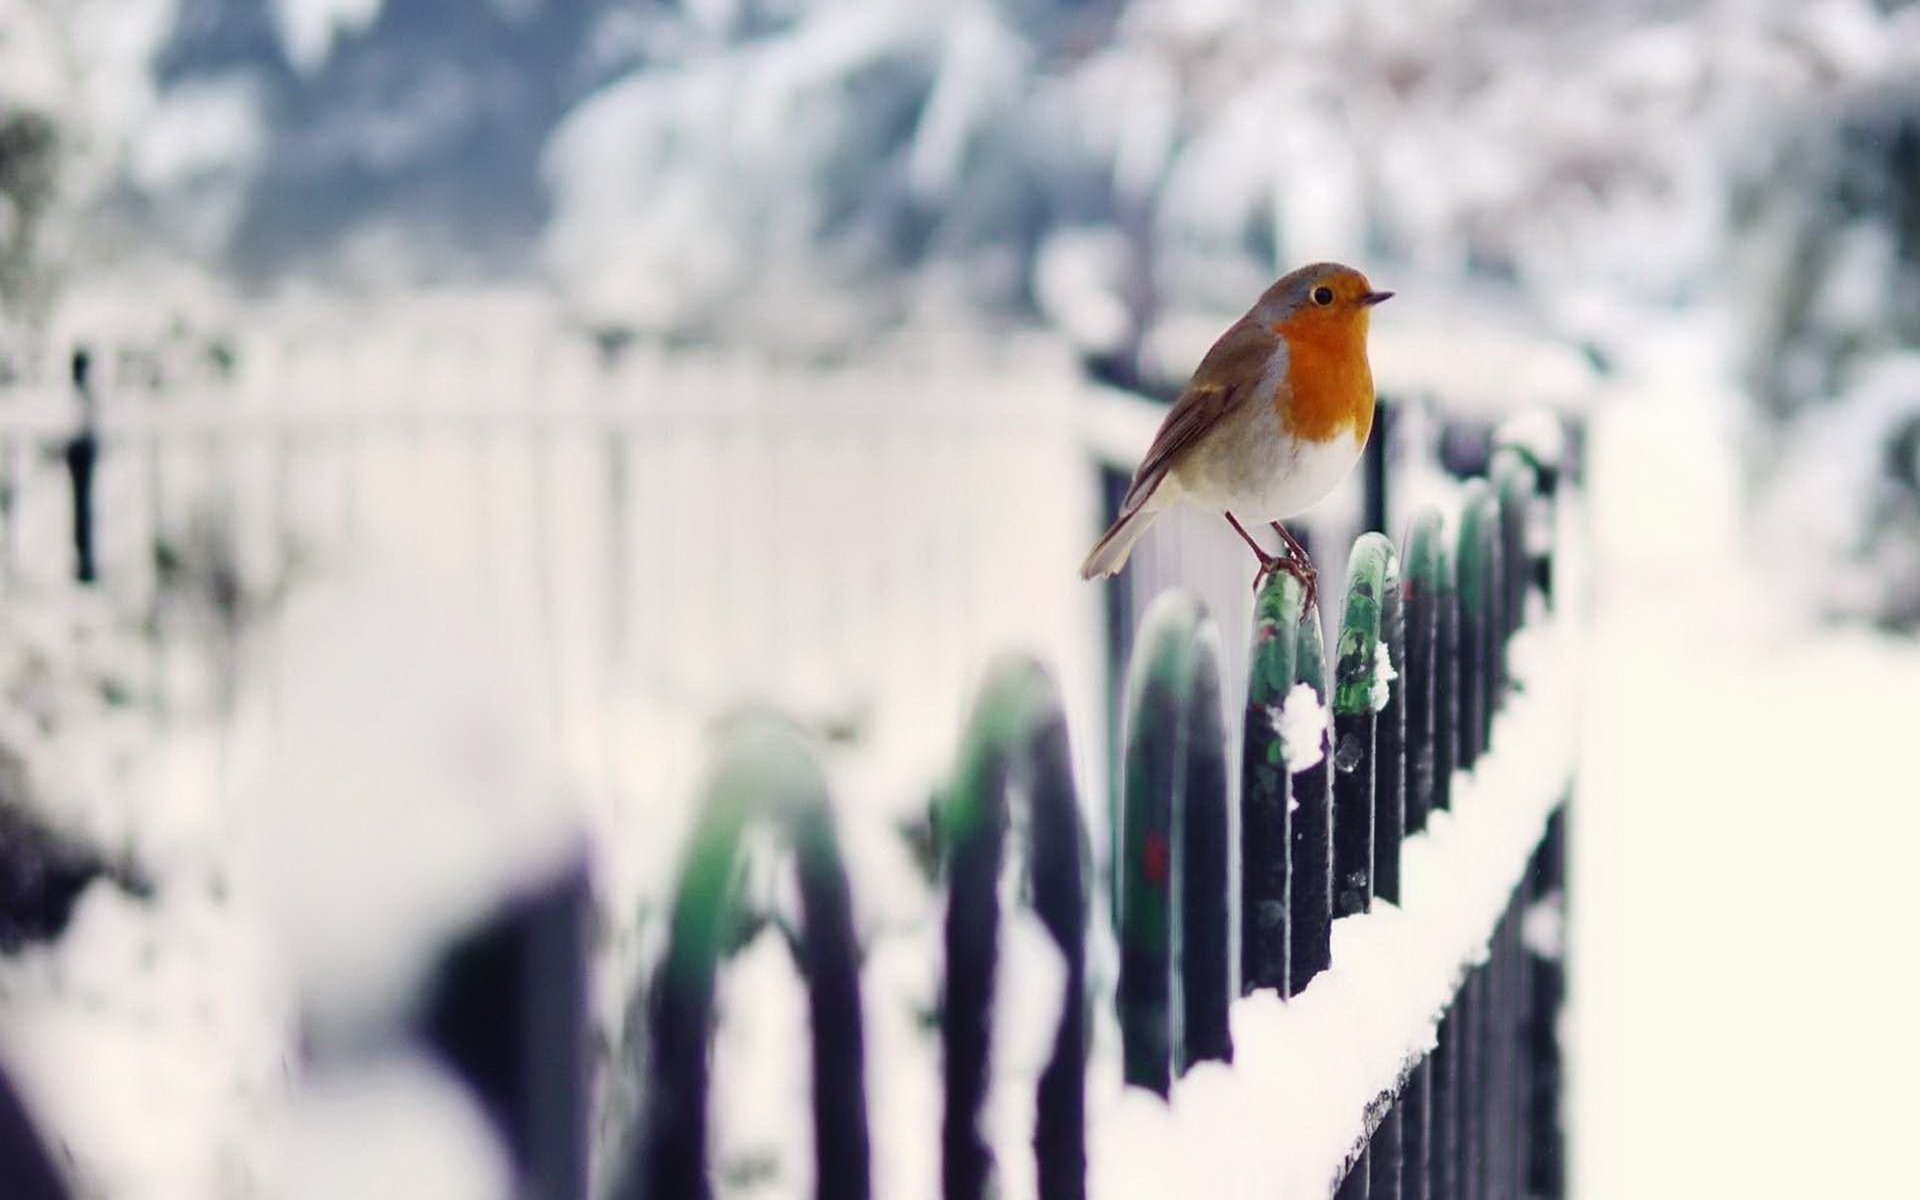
1323,295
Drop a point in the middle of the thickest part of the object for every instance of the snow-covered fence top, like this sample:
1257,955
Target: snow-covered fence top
1362,997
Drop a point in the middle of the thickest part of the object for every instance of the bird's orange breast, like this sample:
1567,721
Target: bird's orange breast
1329,388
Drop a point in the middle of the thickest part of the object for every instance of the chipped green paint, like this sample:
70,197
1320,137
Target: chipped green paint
1370,571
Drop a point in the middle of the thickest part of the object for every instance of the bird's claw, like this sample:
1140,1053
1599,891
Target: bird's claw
1302,572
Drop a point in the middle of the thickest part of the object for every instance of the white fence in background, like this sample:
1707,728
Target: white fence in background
673,535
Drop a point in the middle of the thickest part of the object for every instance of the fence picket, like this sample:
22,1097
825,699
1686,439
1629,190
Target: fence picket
1266,793
1016,745
1173,800
1311,872
1356,724
766,777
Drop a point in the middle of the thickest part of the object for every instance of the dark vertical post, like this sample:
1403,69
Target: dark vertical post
1390,740
1416,1122
766,776
1384,1150
1058,845
1354,1186
830,964
1265,791
1173,823
1206,969
1448,678
1310,899
1356,724
1420,588
83,455
1546,891
509,1010
1017,736
1378,457
1479,581
1443,1150
24,1162
1472,1072
1150,774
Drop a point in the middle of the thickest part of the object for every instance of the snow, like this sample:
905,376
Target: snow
1742,843
1381,692
1311,1066
403,785
309,28
1302,722
397,1127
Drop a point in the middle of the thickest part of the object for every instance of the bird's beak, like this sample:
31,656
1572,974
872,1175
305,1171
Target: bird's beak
1373,298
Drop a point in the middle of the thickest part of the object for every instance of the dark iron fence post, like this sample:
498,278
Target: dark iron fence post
1310,904
1390,771
1449,676
1356,724
1266,792
765,776
1017,738
1421,587
509,1009
1546,893
1173,825
25,1165
83,455
1479,559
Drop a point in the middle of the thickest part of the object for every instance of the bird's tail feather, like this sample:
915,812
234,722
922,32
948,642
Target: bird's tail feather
1110,552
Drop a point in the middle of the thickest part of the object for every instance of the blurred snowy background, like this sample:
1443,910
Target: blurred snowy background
552,376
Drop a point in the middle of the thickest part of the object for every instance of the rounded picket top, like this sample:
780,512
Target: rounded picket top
1266,789
1016,747
766,777
1172,874
1356,705
1482,584
1371,569
1517,486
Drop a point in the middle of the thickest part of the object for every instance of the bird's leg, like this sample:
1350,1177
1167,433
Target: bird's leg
1299,565
1268,563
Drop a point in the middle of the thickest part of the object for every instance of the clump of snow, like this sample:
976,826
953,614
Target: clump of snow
397,1127
398,780
1302,722
1383,677
1543,927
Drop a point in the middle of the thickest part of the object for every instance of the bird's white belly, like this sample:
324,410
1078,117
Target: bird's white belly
1249,467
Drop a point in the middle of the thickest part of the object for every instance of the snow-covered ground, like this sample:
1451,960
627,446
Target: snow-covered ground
1744,985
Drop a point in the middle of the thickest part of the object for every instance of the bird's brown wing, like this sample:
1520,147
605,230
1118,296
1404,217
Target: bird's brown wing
1227,377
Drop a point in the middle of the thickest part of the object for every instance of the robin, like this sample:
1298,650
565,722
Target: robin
1274,417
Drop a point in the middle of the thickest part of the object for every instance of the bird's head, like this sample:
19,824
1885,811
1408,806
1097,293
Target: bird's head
1319,300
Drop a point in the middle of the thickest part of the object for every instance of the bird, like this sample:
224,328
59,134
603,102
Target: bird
1274,417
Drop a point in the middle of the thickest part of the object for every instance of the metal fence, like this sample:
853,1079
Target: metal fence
1418,672
1319,839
